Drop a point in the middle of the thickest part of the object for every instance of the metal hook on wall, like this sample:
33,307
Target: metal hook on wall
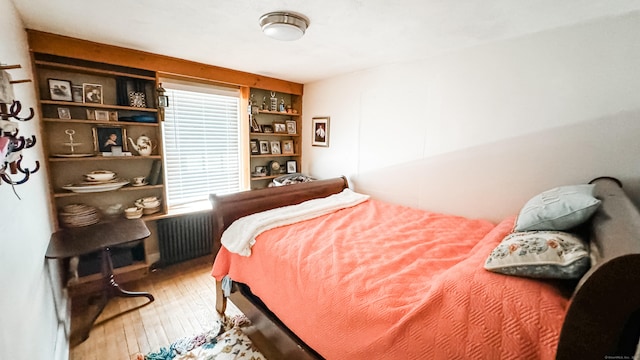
12,144
16,108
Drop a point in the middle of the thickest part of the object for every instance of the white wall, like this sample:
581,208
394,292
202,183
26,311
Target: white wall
395,129
29,327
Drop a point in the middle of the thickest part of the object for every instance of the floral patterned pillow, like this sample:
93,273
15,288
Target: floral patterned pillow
540,254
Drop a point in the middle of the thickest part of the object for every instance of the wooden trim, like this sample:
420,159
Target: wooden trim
47,43
88,70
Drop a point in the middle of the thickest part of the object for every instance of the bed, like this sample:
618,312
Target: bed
337,286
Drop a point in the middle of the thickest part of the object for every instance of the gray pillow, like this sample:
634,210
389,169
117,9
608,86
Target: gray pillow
560,208
540,254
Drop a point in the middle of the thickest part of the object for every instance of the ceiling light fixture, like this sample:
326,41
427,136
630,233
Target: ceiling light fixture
284,26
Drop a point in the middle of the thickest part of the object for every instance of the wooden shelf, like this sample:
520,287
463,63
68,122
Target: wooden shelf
267,112
124,188
107,158
257,178
99,106
98,122
93,283
274,155
273,134
87,70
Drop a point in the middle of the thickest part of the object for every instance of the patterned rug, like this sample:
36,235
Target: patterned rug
226,341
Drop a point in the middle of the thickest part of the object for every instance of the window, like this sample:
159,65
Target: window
202,141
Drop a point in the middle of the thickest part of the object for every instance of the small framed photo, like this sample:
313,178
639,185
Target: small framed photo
320,127
255,127
137,99
113,116
64,113
60,90
264,147
105,137
91,114
292,166
291,127
102,115
280,128
261,171
287,147
77,93
92,93
275,147
255,147
267,129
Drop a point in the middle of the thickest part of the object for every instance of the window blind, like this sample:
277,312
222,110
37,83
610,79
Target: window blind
202,141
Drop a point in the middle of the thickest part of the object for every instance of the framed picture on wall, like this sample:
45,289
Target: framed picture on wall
320,127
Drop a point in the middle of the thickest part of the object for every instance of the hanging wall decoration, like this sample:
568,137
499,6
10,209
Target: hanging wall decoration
11,145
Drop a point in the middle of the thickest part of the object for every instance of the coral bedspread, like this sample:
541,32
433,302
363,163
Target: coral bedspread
384,281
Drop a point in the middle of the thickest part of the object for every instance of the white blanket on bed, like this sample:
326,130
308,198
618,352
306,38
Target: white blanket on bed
242,233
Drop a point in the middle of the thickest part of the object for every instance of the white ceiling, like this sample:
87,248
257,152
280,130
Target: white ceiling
344,35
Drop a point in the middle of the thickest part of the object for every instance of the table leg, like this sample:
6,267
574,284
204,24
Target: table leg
110,284
110,289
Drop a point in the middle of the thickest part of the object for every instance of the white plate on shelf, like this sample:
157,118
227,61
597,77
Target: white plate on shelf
99,187
76,155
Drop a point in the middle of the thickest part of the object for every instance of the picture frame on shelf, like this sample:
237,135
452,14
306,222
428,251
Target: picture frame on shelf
279,128
113,116
287,147
264,147
255,127
102,115
291,127
292,166
255,147
92,93
275,147
60,90
137,99
320,127
91,114
104,137
77,93
64,113
267,129
260,171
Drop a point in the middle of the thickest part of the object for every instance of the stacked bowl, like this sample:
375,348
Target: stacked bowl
149,205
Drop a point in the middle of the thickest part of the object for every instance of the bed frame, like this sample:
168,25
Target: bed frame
603,318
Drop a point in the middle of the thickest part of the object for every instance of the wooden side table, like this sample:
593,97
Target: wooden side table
67,243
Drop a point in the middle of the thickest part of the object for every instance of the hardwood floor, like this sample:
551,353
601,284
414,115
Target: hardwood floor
184,305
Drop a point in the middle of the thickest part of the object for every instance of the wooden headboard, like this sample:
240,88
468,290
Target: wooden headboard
604,315
228,208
